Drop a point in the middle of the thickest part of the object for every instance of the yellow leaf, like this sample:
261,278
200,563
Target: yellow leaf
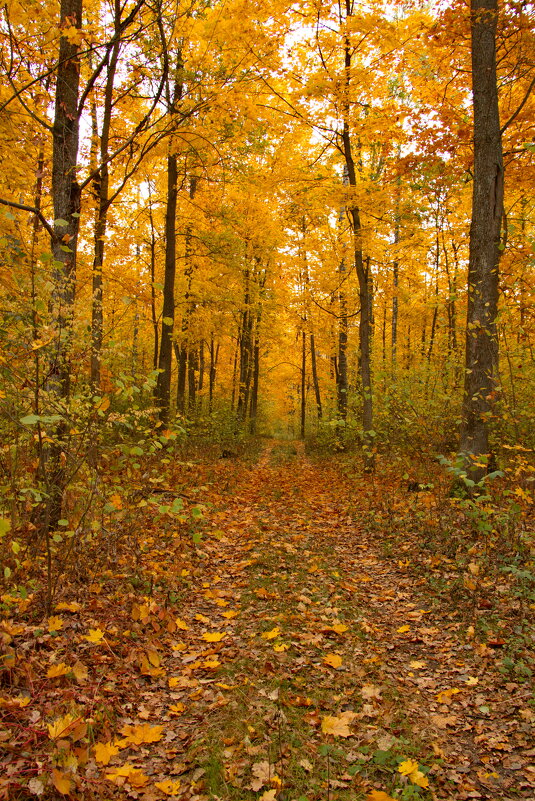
181,624
54,671
270,635
416,664
61,781
417,777
105,751
215,636
74,35
334,660
445,696
65,607
220,602
279,648
339,628
168,787
128,773
60,726
338,726
211,663
176,709
104,403
144,733
116,501
154,658
230,614
403,629
173,682
202,618
95,635
471,681
269,795
407,767
55,623
378,795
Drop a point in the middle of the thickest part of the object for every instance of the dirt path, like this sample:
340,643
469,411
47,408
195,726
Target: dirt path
333,665
283,648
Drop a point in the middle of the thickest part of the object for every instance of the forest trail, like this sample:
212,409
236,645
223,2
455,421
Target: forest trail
298,656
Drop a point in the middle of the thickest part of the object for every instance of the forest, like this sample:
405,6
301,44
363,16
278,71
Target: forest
267,400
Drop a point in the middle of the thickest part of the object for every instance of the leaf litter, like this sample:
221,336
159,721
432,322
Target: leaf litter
282,655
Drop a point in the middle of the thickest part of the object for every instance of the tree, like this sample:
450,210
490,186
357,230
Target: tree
481,362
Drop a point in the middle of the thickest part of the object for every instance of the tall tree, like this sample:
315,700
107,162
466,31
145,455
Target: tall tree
480,384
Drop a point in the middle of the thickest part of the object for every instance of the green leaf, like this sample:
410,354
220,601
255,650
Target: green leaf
197,537
7,572
61,223
63,522
136,451
15,546
5,525
30,419
168,321
57,537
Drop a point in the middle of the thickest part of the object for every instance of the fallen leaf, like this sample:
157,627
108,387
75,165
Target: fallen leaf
61,781
55,671
270,635
378,795
334,660
105,751
55,623
169,787
215,636
144,733
94,636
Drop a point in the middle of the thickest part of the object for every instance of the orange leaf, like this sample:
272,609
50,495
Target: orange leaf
215,636
104,752
61,781
334,660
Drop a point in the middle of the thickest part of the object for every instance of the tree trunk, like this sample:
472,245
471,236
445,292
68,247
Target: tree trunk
362,267
66,201
303,383
101,184
315,376
484,254
163,385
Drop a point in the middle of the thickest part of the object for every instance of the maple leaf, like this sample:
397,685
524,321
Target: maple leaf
176,709
379,795
63,606
230,614
370,692
214,636
55,623
54,671
105,751
74,35
407,767
61,781
334,660
338,726
144,733
169,787
59,727
94,636
281,647
445,696
127,772
270,635
181,624
339,628
269,795
416,665
417,777
403,629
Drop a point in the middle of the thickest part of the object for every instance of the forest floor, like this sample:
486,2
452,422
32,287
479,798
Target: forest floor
306,638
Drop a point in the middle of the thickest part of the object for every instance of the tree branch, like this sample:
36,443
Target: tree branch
46,225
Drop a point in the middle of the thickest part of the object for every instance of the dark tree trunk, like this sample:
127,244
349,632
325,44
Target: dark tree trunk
315,376
484,255
163,385
66,201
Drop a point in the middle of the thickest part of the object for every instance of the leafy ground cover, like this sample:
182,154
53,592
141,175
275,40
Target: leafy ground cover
288,630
